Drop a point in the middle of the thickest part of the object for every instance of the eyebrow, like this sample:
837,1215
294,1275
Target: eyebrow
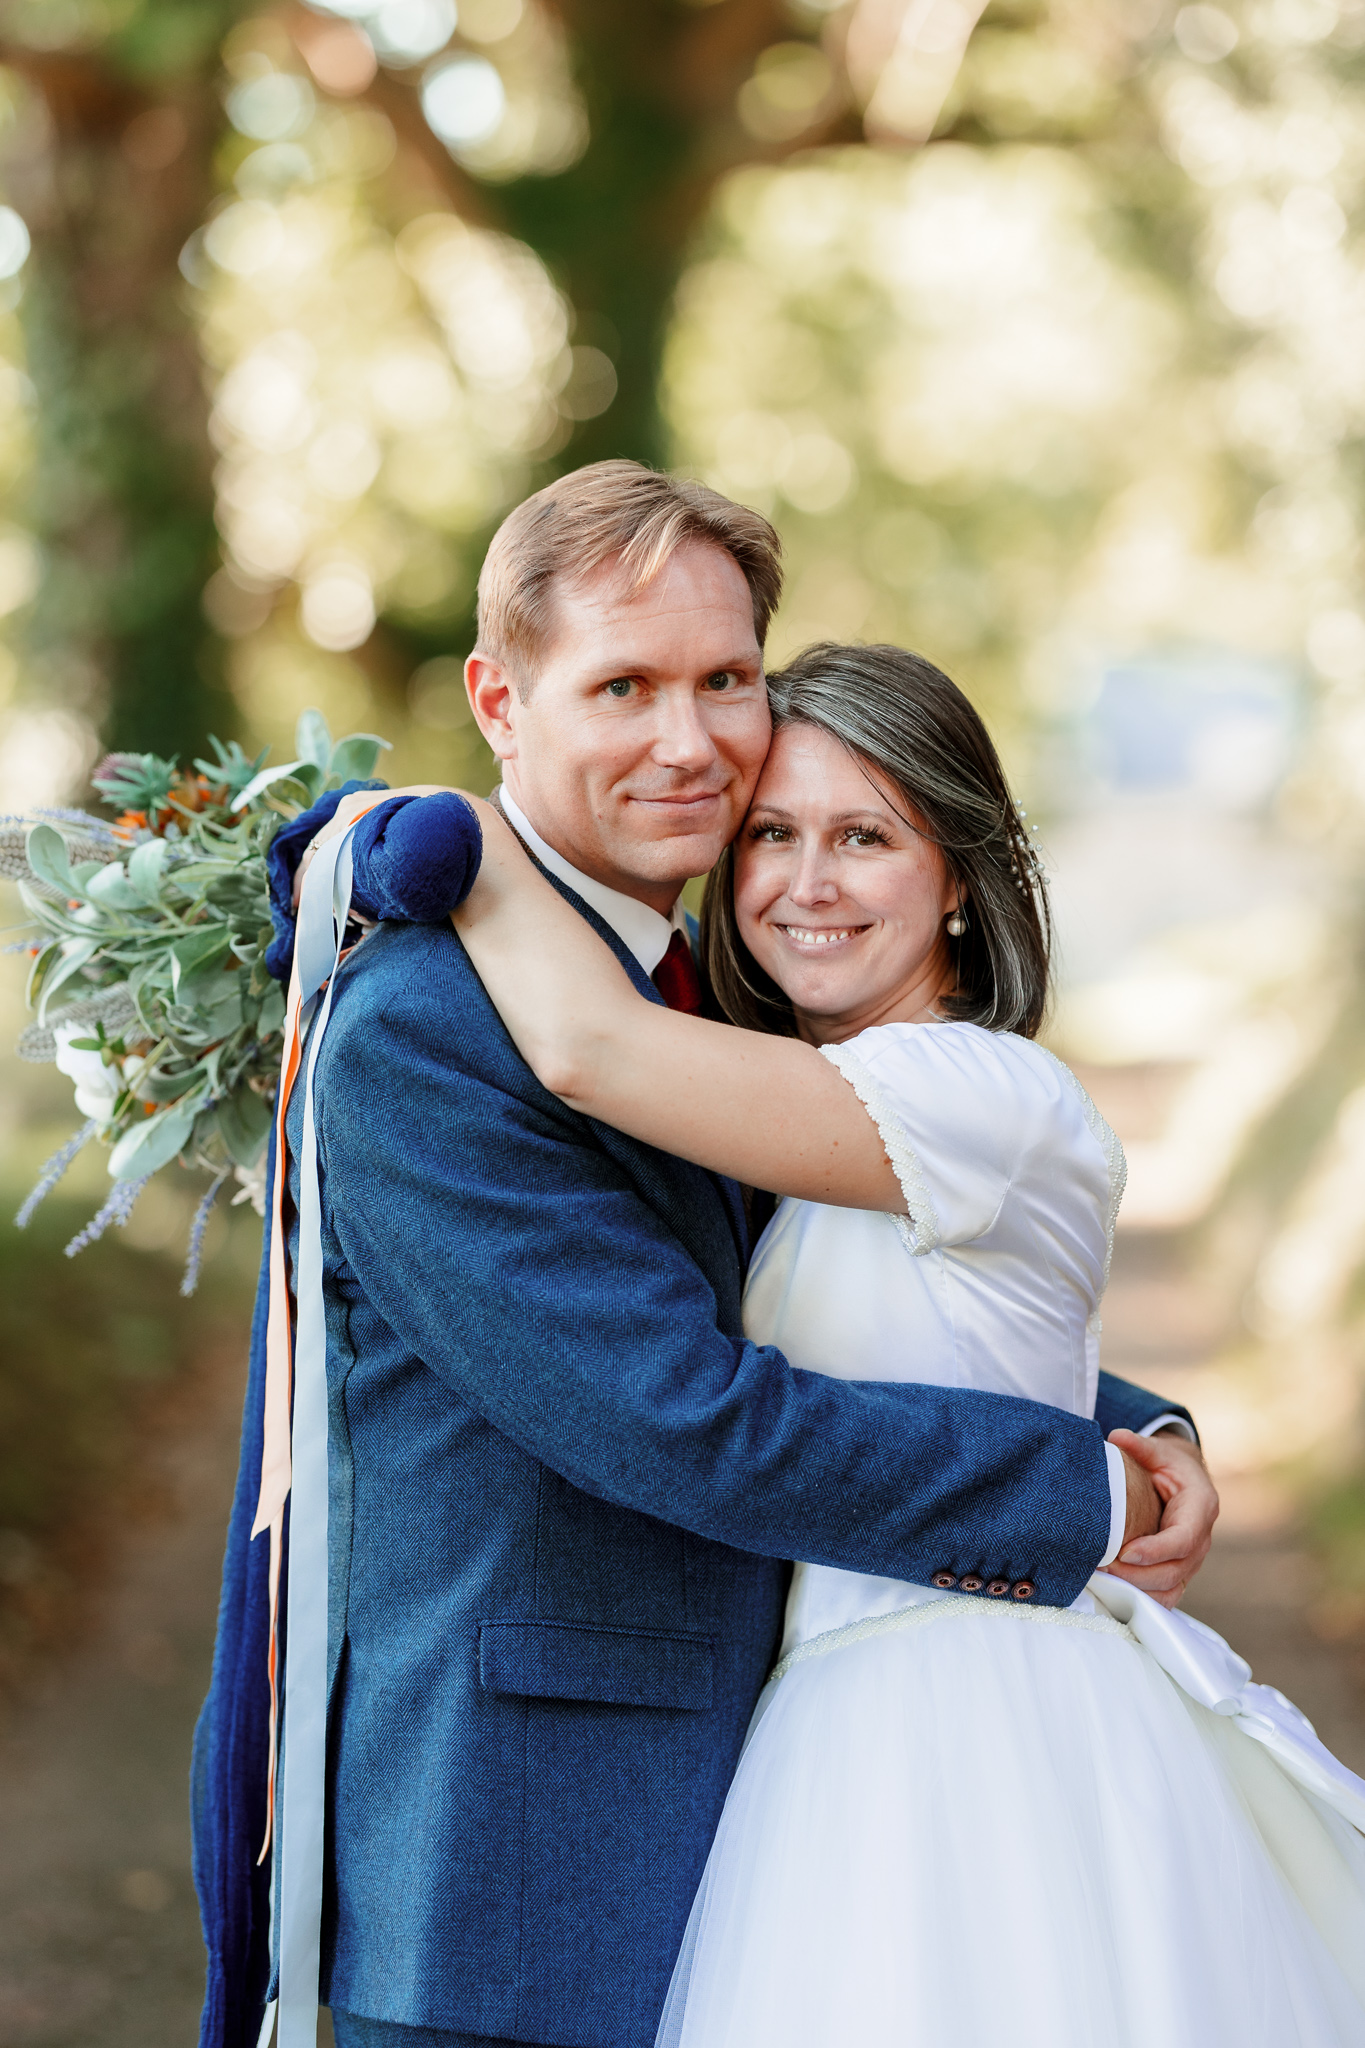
840,817
647,668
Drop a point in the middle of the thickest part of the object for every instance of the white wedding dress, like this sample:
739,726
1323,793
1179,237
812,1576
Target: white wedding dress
973,1822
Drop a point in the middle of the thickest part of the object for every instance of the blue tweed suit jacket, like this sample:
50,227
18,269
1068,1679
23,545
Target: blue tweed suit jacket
563,1487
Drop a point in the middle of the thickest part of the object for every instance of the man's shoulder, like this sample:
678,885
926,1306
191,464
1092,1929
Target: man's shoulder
412,986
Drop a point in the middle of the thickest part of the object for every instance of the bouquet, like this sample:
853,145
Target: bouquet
148,969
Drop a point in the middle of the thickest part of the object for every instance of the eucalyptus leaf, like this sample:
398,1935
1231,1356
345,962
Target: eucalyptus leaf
204,947
312,740
244,1120
294,791
38,973
154,1142
46,853
112,890
81,954
353,759
271,1018
162,1088
145,864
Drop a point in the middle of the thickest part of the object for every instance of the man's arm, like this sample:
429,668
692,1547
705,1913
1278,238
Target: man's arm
514,1255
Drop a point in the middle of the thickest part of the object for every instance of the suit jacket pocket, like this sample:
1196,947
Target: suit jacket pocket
561,1660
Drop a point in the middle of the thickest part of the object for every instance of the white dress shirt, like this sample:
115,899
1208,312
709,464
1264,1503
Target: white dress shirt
643,931
646,933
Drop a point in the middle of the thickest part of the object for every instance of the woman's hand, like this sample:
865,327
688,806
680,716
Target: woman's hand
1163,1562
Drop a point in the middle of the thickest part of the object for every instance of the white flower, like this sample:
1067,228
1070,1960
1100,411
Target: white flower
97,1087
252,1179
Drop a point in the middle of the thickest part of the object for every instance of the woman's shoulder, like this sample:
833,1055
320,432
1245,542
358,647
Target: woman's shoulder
946,1047
960,1069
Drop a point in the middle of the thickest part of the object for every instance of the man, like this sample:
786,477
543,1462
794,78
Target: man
563,1485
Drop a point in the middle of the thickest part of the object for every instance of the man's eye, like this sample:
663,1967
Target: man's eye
620,686
723,679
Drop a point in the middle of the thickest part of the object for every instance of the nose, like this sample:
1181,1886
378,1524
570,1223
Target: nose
814,883
682,741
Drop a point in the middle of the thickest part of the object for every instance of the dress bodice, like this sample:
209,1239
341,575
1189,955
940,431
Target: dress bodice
1012,1180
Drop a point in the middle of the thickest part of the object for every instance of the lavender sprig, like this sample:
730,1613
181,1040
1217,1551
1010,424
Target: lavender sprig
53,1171
195,1254
116,1210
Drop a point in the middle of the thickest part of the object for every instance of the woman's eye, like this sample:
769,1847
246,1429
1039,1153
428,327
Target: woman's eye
867,838
774,834
620,686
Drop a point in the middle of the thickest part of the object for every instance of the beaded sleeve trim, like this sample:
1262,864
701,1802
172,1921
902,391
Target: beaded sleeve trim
1112,1149
919,1231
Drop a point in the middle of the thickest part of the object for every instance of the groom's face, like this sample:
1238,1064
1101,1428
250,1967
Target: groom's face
635,747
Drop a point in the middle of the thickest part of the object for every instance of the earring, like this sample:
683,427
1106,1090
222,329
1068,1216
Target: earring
956,925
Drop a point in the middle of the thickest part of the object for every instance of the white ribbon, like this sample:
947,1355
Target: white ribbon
1203,1666
323,906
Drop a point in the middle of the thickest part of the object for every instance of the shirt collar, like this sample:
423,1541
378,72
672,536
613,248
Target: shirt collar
644,932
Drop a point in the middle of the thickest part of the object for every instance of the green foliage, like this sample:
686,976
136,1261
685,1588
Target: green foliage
168,1021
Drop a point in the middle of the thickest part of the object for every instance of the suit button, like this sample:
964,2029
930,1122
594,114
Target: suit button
1024,1589
971,1582
997,1588
945,1581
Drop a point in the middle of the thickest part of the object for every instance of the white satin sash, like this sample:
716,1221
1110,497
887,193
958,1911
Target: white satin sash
1212,1673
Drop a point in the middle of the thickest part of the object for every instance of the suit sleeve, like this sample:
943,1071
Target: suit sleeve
524,1265
1120,1405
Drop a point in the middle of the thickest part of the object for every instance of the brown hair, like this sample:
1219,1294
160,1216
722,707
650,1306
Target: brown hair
610,509
895,712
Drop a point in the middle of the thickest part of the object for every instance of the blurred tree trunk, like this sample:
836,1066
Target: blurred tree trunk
659,79
113,171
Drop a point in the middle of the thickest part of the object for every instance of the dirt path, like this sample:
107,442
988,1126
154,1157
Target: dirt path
99,1935
99,1930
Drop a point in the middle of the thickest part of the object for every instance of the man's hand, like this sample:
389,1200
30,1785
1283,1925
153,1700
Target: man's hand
1161,1560
347,811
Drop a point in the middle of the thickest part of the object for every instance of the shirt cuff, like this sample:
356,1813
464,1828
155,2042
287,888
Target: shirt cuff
1175,1422
1118,1502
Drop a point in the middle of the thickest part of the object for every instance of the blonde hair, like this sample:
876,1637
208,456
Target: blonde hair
610,510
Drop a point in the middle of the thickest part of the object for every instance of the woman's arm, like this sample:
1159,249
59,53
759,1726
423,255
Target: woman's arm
769,1111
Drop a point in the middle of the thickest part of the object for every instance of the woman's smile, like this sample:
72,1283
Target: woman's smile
807,936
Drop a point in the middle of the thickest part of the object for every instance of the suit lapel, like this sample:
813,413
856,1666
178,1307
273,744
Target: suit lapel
728,1190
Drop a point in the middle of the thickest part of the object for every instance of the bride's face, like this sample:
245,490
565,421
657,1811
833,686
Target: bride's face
836,896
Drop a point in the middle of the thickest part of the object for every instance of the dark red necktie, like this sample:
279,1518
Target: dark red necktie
676,977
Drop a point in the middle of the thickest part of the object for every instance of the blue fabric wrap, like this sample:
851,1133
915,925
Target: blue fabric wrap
415,859
562,1489
286,850
232,1743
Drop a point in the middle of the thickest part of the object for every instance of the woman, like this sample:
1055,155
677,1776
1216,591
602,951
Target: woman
959,1820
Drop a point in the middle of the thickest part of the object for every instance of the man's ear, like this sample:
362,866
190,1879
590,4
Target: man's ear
493,696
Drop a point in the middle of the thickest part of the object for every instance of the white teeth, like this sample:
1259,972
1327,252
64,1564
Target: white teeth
805,938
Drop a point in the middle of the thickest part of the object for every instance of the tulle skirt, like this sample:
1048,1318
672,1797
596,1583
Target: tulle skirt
998,1829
